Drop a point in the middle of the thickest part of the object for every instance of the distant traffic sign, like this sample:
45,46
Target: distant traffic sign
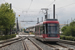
19,15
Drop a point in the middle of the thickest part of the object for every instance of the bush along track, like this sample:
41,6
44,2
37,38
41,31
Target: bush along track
67,37
5,37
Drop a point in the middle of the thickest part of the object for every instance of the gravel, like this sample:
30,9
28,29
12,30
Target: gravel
67,45
14,46
43,46
30,45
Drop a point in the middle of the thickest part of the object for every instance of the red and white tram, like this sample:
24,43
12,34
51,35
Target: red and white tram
48,30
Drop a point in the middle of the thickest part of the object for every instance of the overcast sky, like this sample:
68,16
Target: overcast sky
31,9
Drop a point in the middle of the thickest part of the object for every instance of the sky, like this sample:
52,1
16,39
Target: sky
30,10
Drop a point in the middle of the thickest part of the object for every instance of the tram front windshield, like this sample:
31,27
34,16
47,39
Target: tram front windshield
52,28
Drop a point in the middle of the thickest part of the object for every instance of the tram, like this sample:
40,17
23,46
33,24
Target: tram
47,30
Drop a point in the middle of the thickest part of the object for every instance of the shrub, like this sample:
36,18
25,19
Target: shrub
62,37
67,38
7,37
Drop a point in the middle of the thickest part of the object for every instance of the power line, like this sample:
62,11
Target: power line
29,11
51,3
65,6
13,6
16,8
4,0
30,5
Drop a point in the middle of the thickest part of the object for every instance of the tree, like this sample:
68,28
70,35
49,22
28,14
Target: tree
7,18
64,28
72,23
69,30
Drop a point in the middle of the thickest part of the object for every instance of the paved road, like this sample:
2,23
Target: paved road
23,33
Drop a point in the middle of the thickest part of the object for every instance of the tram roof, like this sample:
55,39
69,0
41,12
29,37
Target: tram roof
51,20
54,20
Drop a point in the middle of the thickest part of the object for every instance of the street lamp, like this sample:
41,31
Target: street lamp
67,22
57,16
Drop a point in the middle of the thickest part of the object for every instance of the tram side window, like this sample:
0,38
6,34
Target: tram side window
37,30
44,29
41,29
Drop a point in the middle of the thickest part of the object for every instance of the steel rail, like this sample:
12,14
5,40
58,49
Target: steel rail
52,46
64,46
58,45
25,45
35,44
67,42
10,42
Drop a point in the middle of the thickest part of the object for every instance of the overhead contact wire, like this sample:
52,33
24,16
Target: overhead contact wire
30,5
51,3
65,6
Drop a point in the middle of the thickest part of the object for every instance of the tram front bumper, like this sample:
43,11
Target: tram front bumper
52,39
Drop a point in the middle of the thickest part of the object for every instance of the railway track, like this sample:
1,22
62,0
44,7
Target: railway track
25,45
68,45
9,42
58,47
37,46
67,42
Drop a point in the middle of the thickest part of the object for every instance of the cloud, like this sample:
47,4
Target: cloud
64,15
64,10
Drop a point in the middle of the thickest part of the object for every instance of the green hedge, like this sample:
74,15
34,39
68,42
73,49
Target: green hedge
67,37
32,33
7,37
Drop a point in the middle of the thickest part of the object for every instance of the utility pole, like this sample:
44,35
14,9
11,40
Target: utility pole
67,22
53,11
57,16
17,25
71,19
42,19
10,9
37,20
10,6
46,14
